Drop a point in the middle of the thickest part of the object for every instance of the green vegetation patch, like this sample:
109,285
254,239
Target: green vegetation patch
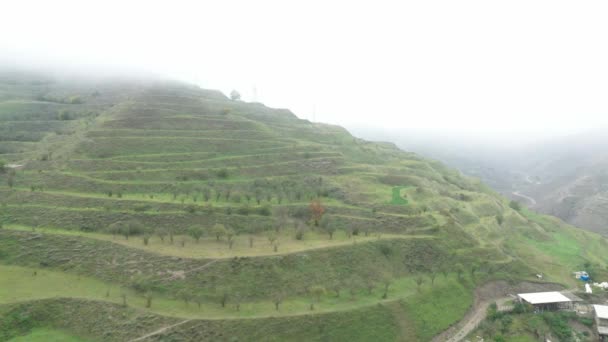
397,199
437,308
47,335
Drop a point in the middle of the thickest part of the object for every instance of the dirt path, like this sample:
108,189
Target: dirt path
182,274
160,331
526,197
498,292
202,267
406,333
477,315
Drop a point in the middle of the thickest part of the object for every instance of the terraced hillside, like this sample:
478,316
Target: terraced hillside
183,215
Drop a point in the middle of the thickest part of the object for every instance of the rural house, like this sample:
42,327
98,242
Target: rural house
601,320
546,301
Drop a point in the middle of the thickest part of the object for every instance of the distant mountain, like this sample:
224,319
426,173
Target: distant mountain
571,179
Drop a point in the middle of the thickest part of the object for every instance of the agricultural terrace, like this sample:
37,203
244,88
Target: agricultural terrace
197,217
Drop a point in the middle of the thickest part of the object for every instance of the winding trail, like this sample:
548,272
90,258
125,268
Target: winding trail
498,292
196,269
476,316
526,197
160,331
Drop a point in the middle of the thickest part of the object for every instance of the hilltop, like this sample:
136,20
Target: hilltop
164,205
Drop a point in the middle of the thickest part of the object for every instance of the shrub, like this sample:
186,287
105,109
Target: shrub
222,173
64,115
219,231
299,234
244,210
141,207
196,232
87,228
265,210
520,308
515,205
586,321
142,285
559,325
500,219
75,100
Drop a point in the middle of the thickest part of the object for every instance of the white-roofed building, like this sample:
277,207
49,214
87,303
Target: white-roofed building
601,320
543,301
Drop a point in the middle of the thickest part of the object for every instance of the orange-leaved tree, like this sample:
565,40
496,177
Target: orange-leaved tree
316,211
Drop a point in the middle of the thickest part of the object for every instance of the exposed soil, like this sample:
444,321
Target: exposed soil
160,331
497,292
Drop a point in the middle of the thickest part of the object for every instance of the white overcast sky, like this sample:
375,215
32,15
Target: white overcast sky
485,67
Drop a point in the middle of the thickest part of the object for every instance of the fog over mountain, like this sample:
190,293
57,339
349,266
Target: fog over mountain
565,176
517,71
303,171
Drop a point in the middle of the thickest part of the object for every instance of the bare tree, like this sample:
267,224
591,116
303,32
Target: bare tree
185,296
146,238
419,281
198,300
354,284
161,233
272,237
230,237
328,226
433,275
224,297
316,292
277,299
370,284
10,178
237,299
148,297
387,280
337,287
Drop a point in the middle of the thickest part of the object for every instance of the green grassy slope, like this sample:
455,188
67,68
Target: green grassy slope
164,157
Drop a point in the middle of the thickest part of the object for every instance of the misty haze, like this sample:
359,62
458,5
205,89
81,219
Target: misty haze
315,171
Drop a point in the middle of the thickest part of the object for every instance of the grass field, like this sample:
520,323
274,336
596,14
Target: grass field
47,335
397,198
19,284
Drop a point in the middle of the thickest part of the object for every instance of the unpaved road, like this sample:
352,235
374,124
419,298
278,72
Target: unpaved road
526,197
495,292
477,315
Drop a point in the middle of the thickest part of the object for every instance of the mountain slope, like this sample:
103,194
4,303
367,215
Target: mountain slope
566,177
127,183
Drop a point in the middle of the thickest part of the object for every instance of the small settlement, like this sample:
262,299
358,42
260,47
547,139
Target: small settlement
601,320
555,301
